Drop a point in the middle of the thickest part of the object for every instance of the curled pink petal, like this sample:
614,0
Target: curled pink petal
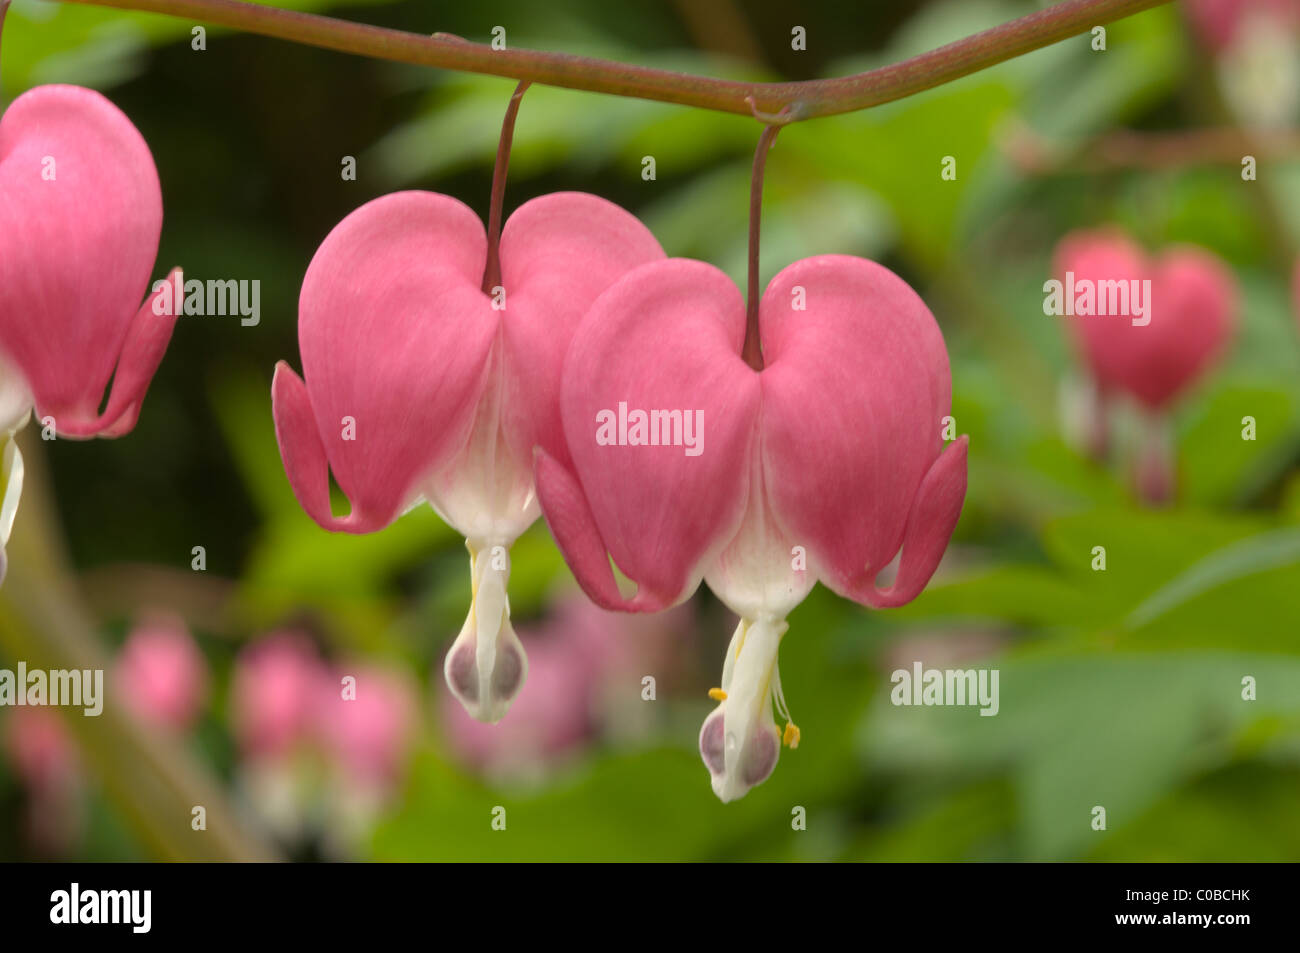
930,523
569,517
855,392
842,447
79,229
390,383
558,253
304,456
663,343
146,343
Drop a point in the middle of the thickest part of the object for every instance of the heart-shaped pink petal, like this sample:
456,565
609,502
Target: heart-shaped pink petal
855,391
79,227
658,353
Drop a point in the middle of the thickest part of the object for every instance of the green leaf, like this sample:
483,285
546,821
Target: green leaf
1254,555
1075,731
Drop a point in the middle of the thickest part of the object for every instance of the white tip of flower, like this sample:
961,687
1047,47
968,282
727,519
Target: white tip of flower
753,759
486,666
739,742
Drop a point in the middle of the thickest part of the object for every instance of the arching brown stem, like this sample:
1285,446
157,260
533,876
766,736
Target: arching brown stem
492,270
821,97
752,351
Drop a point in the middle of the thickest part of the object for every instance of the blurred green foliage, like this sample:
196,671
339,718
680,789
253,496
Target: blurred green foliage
1120,688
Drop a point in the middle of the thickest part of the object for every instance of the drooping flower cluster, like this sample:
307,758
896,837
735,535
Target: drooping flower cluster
657,446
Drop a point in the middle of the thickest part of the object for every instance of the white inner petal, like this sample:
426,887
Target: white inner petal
486,665
755,574
485,492
11,485
15,399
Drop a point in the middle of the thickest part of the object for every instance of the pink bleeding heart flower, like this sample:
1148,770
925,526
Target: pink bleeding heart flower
275,693
687,464
1152,353
80,218
79,230
420,386
161,673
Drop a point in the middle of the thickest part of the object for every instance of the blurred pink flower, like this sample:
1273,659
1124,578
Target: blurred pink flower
42,753
367,726
604,641
1190,314
323,747
161,673
275,694
1218,23
45,759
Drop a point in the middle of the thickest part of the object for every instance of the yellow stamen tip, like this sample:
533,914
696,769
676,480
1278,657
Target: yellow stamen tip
791,736
717,694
